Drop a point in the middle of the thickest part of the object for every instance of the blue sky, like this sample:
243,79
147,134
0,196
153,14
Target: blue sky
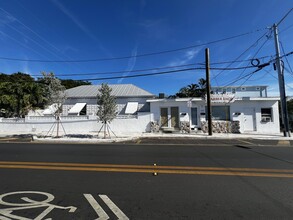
67,30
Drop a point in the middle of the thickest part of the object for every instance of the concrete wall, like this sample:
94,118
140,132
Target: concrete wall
77,125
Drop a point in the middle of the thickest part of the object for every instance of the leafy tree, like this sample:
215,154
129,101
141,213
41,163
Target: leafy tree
107,109
193,90
55,90
55,95
70,83
19,93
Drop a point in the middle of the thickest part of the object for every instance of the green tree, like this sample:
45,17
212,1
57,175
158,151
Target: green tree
70,83
193,90
55,91
107,107
19,93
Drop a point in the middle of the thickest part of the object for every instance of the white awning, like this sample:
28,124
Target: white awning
131,107
51,109
76,109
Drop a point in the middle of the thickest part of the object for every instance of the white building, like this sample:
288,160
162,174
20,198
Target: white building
82,100
246,107
234,109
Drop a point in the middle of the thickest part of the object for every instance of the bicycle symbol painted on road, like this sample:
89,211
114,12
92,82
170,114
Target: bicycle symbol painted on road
27,203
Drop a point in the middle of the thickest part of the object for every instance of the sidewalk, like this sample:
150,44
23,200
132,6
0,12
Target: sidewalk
222,136
92,138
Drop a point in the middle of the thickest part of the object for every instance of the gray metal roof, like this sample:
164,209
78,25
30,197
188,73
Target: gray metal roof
118,90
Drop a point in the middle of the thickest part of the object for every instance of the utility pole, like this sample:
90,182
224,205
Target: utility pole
281,84
208,90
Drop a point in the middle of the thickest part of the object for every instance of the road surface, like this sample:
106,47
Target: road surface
145,181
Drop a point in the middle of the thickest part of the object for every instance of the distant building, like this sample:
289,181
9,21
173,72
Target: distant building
241,91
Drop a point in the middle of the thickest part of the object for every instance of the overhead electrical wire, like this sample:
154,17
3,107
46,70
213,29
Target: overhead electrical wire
249,75
291,71
124,71
128,57
144,70
259,66
284,16
152,74
277,78
251,46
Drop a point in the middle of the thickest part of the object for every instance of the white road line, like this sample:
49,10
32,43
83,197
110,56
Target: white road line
114,208
98,209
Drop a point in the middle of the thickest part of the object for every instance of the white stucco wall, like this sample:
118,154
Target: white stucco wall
120,126
272,127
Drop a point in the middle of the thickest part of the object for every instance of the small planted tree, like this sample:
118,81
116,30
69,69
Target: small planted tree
55,94
107,108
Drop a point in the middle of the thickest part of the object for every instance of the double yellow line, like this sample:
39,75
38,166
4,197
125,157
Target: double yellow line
221,171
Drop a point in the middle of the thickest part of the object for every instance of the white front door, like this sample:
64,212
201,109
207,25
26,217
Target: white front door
249,119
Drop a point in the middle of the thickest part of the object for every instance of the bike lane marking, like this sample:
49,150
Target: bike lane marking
98,209
7,213
120,215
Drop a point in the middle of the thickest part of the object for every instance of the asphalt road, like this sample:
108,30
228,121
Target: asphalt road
216,181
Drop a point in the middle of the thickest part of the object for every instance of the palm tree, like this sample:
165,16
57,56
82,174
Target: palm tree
193,90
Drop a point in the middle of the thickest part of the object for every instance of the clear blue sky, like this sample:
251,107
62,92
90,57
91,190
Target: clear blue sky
89,29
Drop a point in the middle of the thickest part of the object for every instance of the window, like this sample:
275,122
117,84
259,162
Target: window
221,113
243,88
266,115
233,90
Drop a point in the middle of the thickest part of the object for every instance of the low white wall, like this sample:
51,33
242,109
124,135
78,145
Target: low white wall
119,126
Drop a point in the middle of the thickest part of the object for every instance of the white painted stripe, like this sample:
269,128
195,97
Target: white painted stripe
120,215
98,209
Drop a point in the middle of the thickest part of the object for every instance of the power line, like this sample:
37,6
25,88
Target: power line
251,46
284,17
152,74
143,70
259,66
128,57
285,29
139,75
116,72
235,61
277,78
247,75
286,57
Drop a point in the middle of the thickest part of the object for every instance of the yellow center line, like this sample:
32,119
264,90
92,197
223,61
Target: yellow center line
225,171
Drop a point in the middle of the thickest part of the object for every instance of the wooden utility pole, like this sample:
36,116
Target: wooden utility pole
208,90
281,84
